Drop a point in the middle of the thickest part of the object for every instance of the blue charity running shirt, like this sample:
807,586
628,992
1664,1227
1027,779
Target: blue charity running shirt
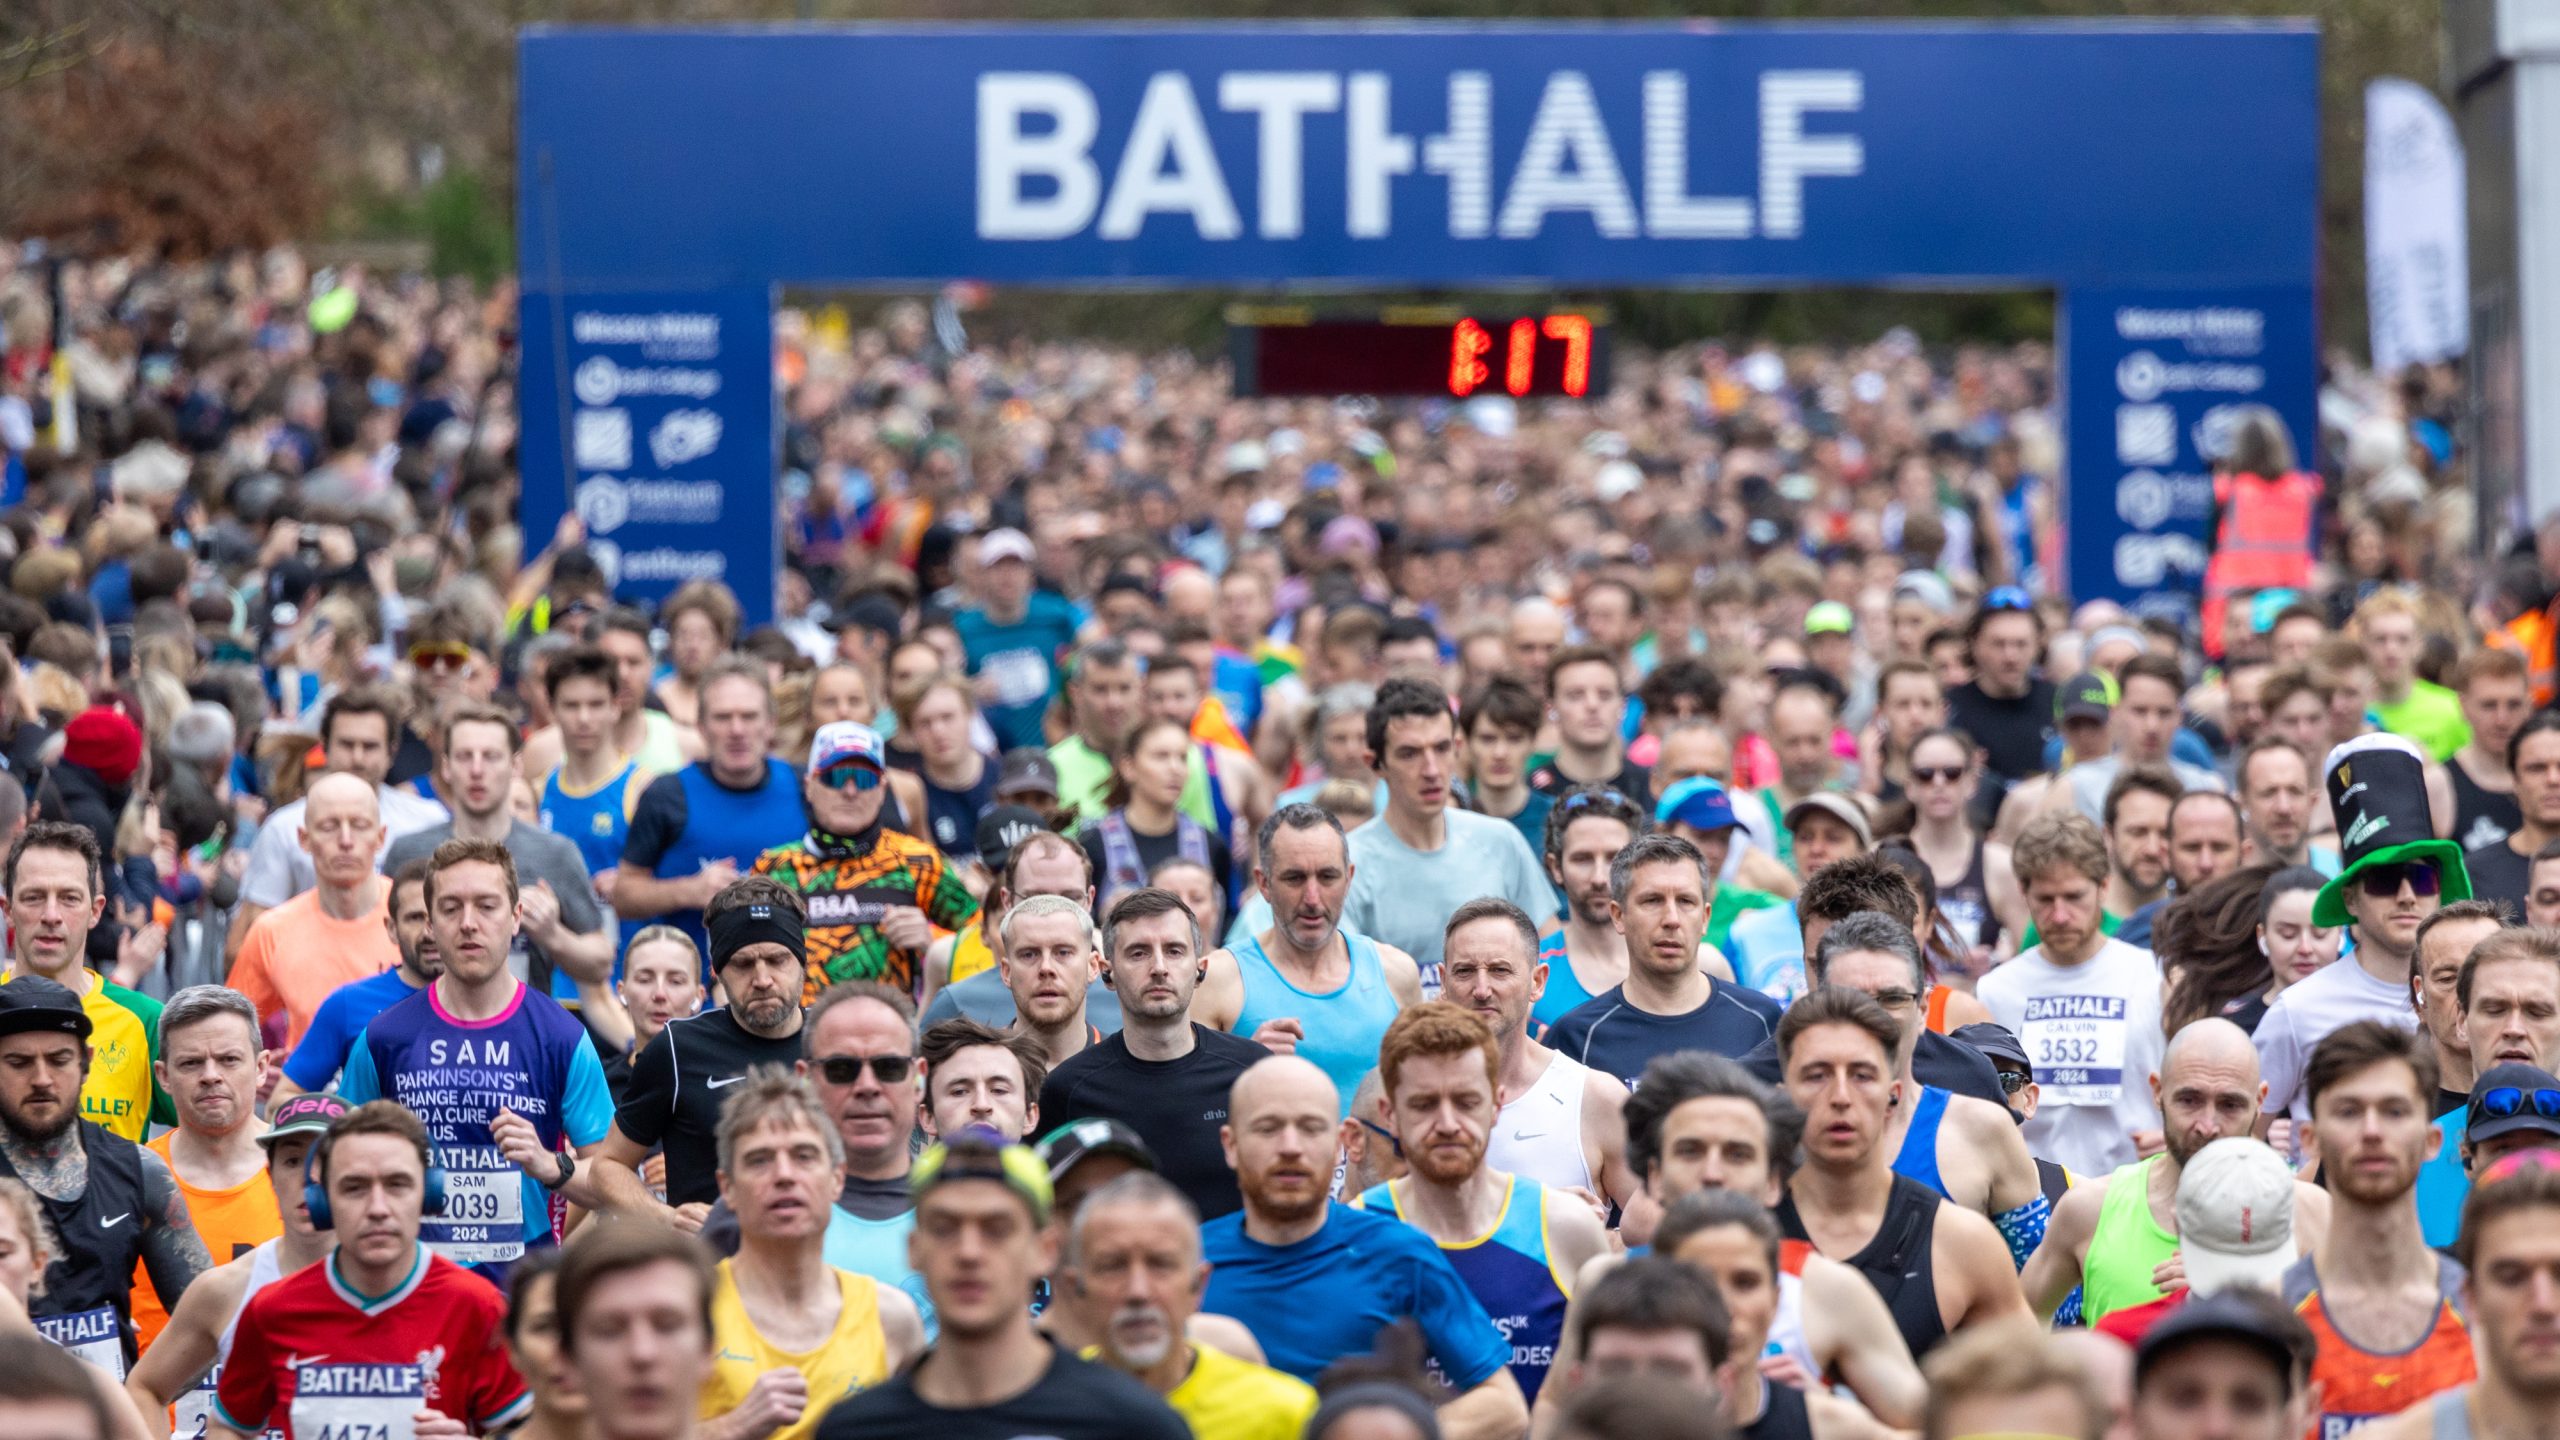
342,1017
1512,1273
534,1059
1330,1294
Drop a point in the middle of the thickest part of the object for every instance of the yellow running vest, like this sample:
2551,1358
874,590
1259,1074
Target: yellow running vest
855,1357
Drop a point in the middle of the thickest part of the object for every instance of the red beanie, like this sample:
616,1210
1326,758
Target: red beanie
105,742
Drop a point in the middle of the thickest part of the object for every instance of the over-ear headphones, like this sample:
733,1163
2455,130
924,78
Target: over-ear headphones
315,1191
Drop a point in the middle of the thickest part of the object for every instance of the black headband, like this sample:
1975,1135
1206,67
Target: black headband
735,930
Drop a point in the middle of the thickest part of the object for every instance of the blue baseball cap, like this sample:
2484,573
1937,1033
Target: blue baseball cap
1697,802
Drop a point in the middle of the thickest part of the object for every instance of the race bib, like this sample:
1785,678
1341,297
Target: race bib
1018,677
92,1335
2076,1043
194,1407
357,1402
483,1219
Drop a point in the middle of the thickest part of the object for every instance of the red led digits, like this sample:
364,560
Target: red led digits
1520,356
1468,345
1575,332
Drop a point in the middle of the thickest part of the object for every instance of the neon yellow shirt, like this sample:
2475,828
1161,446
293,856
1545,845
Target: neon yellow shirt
853,1358
121,1094
2429,714
1224,1398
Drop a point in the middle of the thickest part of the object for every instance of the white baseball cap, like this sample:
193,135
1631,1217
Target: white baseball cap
2235,1217
1006,543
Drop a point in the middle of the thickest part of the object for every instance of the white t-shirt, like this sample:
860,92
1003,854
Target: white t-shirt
2310,1011
2092,1031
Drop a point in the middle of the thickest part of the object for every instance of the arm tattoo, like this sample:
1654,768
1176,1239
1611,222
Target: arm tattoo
57,1169
172,1252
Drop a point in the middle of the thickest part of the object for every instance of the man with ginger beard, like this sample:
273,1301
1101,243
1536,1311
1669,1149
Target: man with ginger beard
1320,1278
1508,1237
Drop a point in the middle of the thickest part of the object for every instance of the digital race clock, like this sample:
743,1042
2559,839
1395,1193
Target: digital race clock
1418,350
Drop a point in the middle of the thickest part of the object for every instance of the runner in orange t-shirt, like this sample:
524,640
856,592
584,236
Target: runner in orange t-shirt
211,1064
334,933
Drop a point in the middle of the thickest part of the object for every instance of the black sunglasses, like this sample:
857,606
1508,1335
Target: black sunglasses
2383,881
847,1069
2013,1081
1936,774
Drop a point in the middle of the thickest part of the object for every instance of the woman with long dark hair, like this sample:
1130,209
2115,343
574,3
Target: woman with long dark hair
2233,946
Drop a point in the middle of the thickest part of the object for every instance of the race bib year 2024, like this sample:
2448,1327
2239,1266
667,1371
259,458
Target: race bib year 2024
2077,1044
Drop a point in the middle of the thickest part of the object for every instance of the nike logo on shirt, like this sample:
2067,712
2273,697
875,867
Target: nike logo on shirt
113,1223
1528,1134
716,1084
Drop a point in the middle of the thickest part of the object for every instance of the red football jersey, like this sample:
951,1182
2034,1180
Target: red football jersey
437,1341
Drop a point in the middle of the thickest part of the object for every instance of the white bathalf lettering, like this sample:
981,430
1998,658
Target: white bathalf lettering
1010,154
1280,102
1169,129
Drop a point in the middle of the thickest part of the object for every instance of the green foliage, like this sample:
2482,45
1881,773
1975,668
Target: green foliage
462,217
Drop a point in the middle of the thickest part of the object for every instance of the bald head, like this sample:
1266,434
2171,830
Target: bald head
341,830
1282,1137
1284,1083
2210,1041
2208,1086
339,792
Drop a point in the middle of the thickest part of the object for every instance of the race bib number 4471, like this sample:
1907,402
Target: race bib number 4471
2077,1044
357,1402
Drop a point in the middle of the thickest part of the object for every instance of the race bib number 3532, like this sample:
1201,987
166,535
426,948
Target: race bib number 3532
2077,1043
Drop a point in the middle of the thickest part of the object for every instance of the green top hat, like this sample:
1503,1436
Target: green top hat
2378,794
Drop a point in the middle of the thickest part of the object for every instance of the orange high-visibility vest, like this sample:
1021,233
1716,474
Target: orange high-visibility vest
2534,636
2264,541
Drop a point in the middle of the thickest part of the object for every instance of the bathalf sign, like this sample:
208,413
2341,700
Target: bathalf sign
2170,166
